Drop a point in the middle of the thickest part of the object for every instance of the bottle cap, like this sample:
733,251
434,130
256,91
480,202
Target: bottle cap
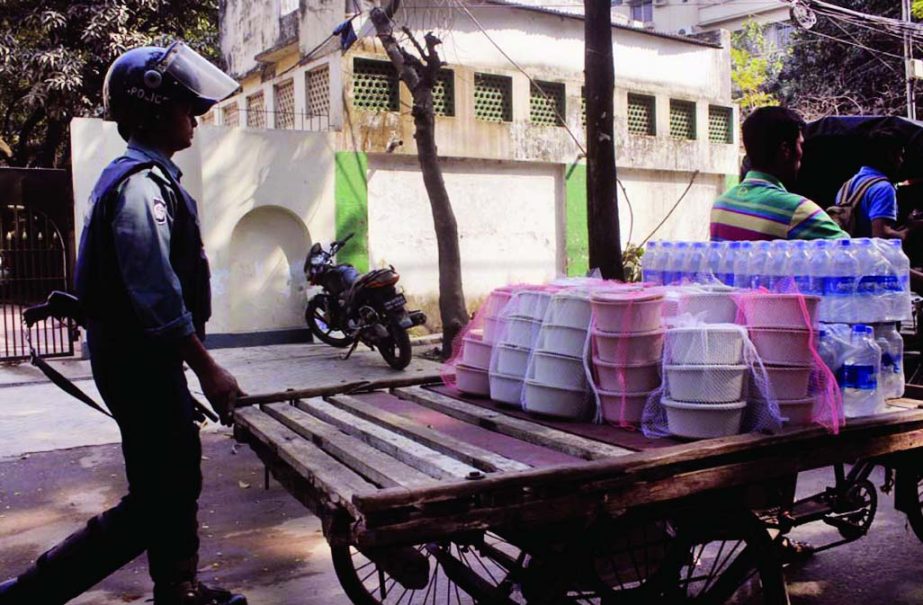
845,242
862,329
735,245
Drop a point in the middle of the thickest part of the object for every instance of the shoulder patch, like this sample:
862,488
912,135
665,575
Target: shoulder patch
159,209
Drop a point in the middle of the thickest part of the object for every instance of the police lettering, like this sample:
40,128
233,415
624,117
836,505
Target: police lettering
144,95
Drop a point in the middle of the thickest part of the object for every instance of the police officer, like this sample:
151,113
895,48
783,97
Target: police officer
142,277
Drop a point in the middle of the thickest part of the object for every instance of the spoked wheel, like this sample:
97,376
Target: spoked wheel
317,316
706,558
859,508
910,486
395,349
481,568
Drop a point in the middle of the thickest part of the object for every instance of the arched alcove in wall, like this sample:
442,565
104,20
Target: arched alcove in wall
267,283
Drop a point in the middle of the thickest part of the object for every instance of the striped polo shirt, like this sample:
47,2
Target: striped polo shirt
760,208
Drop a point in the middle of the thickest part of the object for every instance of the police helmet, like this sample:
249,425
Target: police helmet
144,81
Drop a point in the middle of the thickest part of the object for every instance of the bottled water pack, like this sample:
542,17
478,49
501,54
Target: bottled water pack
859,280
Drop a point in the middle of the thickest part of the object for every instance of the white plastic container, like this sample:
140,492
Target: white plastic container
789,383
570,309
506,389
612,406
705,345
626,379
629,349
555,401
493,327
562,339
557,370
512,360
782,347
779,311
709,307
633,311
473,381
706,384
532,303
521,331
476,353
698,421
797,412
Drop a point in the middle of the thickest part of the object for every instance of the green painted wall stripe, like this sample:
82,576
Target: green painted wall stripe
351,194
731,180
577,237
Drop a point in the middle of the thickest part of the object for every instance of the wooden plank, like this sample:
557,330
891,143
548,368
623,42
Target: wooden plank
346,387
854,441
334,481
369,462
469,454
420,457
514,427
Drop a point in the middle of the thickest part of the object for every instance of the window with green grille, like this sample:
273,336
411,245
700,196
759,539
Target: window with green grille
444,93
720,124
285,104
546,103
375,85
493,98
642,112
682,119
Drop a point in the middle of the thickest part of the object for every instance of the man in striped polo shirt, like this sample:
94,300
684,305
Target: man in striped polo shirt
760,207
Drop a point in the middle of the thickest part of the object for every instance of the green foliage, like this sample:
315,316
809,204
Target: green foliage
631,262
54,55
754,64
916,9
830,73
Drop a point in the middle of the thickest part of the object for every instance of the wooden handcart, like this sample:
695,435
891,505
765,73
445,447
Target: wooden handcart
429,498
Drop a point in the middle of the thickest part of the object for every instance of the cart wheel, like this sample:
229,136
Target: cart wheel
861,504
910,483
474,569
706,558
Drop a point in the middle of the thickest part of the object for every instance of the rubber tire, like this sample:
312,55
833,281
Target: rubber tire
914,512
314,305
399,337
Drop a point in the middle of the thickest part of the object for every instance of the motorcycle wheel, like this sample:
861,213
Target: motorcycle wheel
316,317
396,348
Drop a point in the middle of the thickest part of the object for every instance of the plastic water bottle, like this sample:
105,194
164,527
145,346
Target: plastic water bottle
715,256
874,303
777,265
664,260
650,260
677,263
842,281
860,374
742,260
832,345
695,269
892,360
759,260
728,258
799,266
821,263
898,282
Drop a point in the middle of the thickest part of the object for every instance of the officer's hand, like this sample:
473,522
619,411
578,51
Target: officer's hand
221,390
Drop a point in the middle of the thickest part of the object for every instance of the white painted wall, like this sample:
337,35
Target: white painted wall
264,196
508,221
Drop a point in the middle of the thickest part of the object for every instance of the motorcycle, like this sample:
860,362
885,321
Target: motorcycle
353,308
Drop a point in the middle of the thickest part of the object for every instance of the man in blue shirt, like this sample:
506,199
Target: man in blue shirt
143,281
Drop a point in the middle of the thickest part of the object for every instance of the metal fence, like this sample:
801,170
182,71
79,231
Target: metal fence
36,255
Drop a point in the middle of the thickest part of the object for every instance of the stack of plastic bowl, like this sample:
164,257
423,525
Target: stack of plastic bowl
471,371
781,327
556,381
627,345
706,378
523,321
710,305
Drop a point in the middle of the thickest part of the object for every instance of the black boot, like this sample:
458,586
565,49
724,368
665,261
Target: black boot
194,593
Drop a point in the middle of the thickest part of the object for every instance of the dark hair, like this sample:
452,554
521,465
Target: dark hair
766,129
881,144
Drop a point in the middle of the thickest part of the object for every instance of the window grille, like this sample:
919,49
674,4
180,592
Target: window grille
546,103
720,124
444,93
682,119
317,85
642,114
583,105
256,111
208,118
231,114
493,98
375,85
287,6
285,104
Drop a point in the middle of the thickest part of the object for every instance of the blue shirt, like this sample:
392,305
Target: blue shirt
879,202
142,224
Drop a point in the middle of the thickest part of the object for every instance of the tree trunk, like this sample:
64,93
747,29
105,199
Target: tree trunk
419,76
602,200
